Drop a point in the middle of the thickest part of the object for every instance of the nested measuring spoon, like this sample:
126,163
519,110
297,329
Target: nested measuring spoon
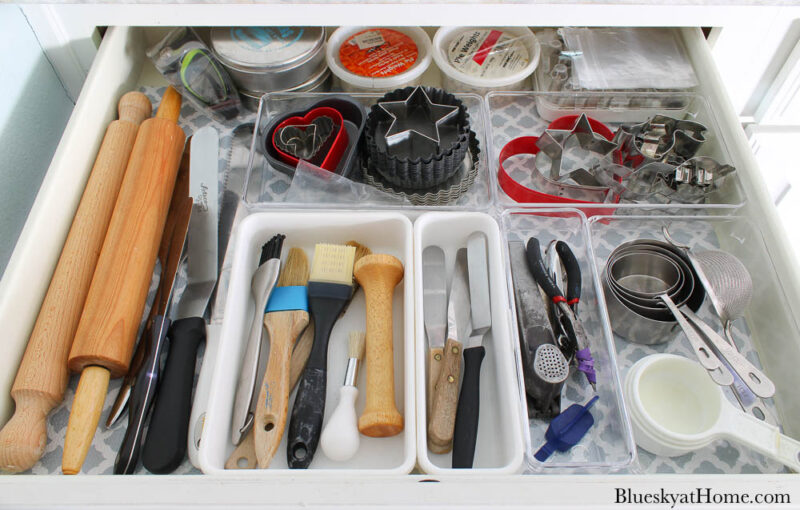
675,409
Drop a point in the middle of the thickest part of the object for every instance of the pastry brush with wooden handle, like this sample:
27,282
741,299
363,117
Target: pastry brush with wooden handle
107,330
285,318
42,376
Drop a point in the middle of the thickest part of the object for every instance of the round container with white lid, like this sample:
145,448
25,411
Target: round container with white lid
378,59
270,58
482,59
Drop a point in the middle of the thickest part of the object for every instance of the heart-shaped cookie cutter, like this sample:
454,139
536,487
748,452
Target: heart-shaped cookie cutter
304,141
330,150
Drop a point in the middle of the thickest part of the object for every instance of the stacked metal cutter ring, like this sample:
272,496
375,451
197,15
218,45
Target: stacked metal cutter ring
418,143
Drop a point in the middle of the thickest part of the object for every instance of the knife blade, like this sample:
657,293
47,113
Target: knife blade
166,442
445,394
144,387
231,200
434,301
179,193
467,413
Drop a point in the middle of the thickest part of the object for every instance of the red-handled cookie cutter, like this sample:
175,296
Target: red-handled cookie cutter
332,149
527,145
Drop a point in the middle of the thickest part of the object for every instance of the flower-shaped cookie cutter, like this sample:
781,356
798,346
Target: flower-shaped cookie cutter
660,139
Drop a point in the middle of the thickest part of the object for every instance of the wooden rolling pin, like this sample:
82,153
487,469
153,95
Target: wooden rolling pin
378,274
42,376
107,330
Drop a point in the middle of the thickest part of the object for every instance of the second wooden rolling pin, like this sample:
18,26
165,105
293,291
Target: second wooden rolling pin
42,376
113,310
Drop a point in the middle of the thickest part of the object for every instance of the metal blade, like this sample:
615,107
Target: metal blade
234,183
458,311
434,294
480,302
202,243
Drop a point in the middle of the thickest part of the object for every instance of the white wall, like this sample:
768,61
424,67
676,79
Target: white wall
33,113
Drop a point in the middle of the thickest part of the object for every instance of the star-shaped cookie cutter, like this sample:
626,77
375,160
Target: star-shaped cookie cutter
416,114
553,142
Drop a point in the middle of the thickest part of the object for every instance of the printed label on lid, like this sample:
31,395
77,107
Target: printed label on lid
378,53
488,53
266,38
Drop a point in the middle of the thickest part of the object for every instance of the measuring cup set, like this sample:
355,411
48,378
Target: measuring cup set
651,286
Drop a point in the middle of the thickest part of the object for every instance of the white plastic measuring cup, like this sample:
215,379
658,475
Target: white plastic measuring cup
676,409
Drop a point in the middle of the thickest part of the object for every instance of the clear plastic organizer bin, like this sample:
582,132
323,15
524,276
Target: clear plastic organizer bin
269,185
382,232
608,446
557,73
519,114
763,336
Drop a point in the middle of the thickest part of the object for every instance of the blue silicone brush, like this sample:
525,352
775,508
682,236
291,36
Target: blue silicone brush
567,429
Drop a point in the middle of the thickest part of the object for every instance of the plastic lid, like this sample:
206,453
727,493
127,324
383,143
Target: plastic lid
378,53
486,57
262,48
378,57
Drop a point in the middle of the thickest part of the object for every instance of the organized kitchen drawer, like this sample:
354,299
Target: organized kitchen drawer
311,207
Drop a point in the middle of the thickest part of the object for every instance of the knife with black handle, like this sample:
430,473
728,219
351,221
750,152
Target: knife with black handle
166,442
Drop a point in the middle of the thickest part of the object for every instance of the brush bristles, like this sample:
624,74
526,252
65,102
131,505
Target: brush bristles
358,340
333,264
361,250
295,270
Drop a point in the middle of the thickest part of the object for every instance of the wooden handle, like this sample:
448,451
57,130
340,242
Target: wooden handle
113,309
244,456
378,274
273,398
434,369
42,376
83,418
445,400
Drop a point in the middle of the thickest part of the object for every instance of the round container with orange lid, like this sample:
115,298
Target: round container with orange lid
376,59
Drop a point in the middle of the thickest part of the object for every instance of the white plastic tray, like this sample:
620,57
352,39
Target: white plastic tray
383,233
499,446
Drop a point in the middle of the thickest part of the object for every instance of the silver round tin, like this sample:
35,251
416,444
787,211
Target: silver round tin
269,58
318,83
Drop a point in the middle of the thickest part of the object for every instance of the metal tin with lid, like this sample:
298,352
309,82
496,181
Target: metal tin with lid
318,83
267,59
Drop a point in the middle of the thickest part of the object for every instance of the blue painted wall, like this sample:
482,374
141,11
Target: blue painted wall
33,113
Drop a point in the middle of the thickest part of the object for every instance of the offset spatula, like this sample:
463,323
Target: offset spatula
466,427
434,302
445,394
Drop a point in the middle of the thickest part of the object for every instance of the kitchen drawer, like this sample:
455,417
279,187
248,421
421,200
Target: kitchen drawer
120,66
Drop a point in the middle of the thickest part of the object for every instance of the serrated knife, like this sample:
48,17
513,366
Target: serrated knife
234,183
445,394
